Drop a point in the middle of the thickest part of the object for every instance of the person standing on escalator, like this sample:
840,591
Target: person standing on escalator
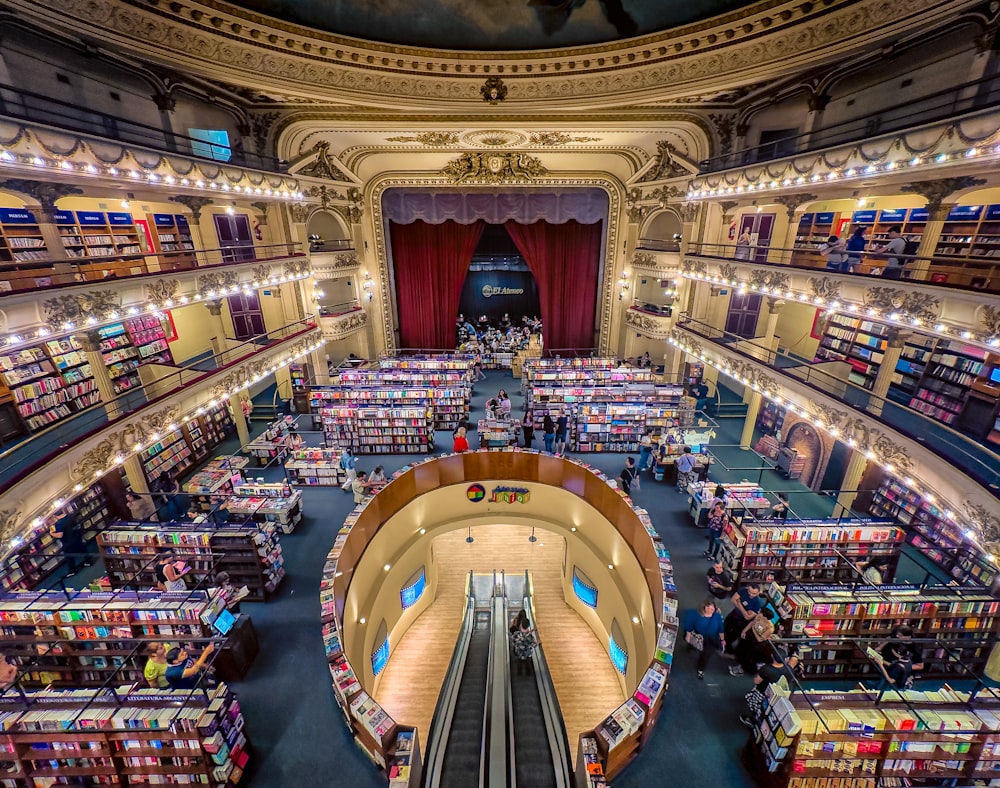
524,641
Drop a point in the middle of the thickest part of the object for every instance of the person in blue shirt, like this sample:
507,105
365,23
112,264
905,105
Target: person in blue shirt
855,246
562,428
747,602
349,464
179,674
707,622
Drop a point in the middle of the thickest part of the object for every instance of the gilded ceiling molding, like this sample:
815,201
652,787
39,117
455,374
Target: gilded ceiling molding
492,168
385,322
765,279
430,139
924,307
823,287
217,283
162,291
77,309
225,42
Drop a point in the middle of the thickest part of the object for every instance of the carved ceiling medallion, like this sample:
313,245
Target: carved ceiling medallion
493,138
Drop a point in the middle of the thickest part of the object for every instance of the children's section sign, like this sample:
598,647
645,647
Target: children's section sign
510,495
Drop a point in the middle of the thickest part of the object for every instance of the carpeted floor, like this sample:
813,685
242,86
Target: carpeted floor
298,734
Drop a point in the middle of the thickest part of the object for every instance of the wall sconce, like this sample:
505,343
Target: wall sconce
369,286
622,286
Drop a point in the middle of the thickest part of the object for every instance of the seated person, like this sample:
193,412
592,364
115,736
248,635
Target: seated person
720,582
180,674
901,657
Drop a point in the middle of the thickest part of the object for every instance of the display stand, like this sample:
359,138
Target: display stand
744,497
497,433
123,737
315,467
250,554
269,446
274,503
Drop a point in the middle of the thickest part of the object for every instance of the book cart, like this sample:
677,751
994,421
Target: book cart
123,736
250,553
603,752
807,550
91,638
954,628
859,739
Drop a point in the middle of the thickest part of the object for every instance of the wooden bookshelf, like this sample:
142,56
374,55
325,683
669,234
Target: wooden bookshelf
21,239
173,241
250,553
99,234
395,430
129,737
311,467
149,339
277,504
845,740
810,551
859,342
946,621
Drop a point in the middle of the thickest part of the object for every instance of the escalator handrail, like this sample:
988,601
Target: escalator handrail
498,714
440,729
555,728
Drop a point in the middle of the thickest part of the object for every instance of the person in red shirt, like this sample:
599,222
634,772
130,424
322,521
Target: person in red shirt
461,444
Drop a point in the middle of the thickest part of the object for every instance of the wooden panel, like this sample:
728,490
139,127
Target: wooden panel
411,682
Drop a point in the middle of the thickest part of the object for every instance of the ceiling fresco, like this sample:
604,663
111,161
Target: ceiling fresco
491,24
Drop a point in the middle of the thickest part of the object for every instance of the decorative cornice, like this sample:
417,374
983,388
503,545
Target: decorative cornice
766,279
78,309
922,307
498,167
46,194
342,326
194,203
863,435
824,287
162,291
652,326
122,442
936,191
217,283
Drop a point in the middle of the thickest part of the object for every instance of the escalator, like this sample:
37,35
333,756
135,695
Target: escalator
456,745
541,751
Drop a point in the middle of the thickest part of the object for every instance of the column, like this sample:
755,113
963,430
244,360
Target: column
814,118
65,270
90,344
236,408
887,367
753,408
852,478
219,342
936,214
767,337
136,476
165,104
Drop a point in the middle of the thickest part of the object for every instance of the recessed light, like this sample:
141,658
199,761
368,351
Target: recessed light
362,620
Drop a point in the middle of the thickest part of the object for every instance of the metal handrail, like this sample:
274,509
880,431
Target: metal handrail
52,273
498,730
26,105
555,728
14,465
975,273
941,105
444,710
975,459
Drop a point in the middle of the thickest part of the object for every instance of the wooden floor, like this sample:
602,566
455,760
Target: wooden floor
585,681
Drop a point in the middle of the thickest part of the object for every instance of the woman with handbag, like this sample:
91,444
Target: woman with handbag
703,632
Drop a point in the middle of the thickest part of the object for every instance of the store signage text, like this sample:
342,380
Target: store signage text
510,495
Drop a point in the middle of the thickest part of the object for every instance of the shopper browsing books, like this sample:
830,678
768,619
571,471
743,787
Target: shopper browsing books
720,582
549,433
685,469
170,572
349,465
628,476
182,674
8,672
703,631
781,666
716,523
360,487
747,603
562,429
528,429
155,671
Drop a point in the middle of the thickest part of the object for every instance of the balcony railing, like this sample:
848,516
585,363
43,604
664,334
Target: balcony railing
975,459
25,105
950,103
973,273
44,274
34,451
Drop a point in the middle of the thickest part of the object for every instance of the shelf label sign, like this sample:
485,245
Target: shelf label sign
510,495
16,216
90,218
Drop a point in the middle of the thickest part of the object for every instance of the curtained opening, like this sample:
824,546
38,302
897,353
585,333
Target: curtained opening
430,263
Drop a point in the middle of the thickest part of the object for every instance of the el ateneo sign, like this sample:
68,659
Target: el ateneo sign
489,291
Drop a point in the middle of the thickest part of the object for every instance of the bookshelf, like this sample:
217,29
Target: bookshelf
149,339
97,234
970,231
609,426
808,551
124,737
21,239
932,533
497,433
441,362
93,637
120,357
946,622
38,388
913,358
859,342
269,446
949,374
373,430
843,740
173,240
251,554
741,497
170,455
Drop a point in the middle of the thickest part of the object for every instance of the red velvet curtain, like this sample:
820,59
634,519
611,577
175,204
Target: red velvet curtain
430,262
565,259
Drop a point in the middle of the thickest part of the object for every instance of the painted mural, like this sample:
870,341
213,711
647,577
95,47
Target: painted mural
491,24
